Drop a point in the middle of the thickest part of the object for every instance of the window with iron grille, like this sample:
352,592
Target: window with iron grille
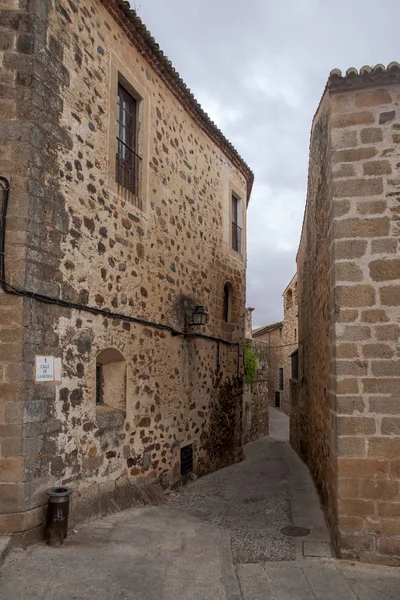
187,459
281,379
127,169
236,223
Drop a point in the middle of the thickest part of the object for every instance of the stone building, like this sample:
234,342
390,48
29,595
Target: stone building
126,211
346,424
281,340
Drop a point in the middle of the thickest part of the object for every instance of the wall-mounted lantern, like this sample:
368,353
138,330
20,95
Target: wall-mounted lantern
198,317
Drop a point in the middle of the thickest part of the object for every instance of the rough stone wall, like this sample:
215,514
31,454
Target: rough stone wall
28,96
272,339
289,341
354,296
255,397
365,202
311,418
88,244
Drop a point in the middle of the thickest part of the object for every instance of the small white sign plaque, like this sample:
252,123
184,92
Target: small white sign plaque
44,368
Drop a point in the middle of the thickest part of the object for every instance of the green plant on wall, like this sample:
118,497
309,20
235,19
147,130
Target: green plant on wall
250,364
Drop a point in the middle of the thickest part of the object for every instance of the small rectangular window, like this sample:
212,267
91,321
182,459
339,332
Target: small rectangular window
187,459
127,170
277,399
281,379
236,223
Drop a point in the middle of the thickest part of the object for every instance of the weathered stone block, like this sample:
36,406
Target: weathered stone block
377,351
390,425
384,246
383,405
384,447
381,386
377,167
23,521
355,425
351,228
347,271
340,208
348,488
341,102
355,296
351,446
389,509
11,469
344,138
389,546
386,117
353,154
387,332
350,405
351,367
372,98
11,497
357,187
350,248
374,315
363,468
346,351
351,119
347,316
371,207
390,295
386,368
343,170
92,462
347,386
371,135
360,508
379,489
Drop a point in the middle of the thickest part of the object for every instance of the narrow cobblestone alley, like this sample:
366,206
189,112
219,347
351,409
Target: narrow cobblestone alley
218,538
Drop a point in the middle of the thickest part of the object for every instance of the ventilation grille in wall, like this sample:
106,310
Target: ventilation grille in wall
187,459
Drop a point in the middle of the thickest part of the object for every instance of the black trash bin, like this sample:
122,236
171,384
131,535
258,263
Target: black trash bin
57,515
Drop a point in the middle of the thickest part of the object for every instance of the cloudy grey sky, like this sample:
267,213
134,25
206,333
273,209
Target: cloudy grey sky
259,67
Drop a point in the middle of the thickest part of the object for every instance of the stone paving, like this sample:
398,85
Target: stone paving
216,539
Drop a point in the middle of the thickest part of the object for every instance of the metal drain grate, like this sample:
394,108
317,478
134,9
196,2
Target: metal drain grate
187,459
293,531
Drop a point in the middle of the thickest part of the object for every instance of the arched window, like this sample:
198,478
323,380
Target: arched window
111,379
228,301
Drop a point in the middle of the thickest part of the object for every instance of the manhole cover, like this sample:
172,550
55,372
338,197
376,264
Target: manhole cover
293,531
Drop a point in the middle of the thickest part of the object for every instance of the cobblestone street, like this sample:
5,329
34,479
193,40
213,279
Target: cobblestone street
218,538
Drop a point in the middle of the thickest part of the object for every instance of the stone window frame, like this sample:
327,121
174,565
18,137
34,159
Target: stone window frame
110,411
235,191
120,74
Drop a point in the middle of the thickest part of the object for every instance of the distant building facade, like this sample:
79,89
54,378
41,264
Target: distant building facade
126,224
281,341
346,424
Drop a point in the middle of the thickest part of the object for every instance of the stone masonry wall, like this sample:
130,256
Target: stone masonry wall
351,373
255,397
289,341
272,340
87,243
311,418
24,100
365,200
